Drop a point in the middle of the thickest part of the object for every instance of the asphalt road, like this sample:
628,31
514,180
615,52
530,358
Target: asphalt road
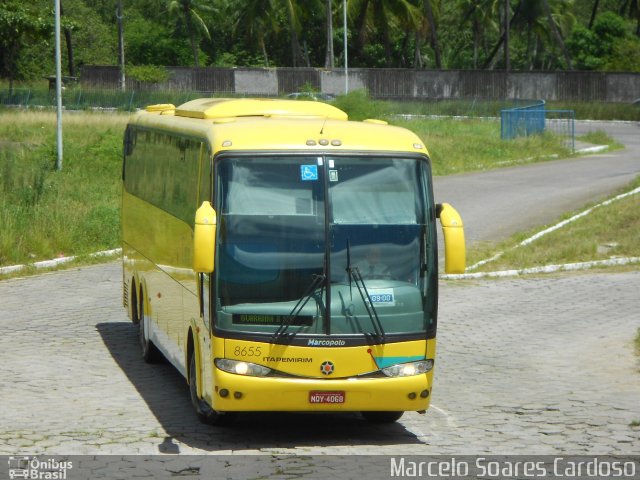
497,203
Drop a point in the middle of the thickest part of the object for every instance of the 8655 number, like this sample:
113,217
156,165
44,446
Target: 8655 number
247,351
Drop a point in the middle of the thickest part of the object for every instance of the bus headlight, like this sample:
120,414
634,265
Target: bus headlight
242,368
408,369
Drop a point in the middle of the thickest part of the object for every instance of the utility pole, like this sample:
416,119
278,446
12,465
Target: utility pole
346,61
58,87
119,16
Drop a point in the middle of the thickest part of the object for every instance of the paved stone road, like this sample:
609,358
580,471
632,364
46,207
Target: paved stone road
542,365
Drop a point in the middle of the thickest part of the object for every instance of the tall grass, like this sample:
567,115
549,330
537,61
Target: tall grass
457,146
45,213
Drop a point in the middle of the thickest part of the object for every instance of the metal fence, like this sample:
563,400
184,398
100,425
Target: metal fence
78,98
536,119
562,124
522,121
84,99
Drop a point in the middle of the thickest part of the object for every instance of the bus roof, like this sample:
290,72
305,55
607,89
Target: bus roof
274,124
210,108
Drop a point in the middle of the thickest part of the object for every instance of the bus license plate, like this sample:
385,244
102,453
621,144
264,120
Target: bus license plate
326,397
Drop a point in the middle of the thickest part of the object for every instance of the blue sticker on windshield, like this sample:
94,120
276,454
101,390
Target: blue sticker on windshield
308,172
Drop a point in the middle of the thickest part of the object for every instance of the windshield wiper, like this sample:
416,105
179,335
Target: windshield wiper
304,299
354,273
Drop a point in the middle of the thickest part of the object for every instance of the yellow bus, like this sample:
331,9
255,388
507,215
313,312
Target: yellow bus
284,258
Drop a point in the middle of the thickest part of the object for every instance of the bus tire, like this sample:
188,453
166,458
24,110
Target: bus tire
382,417
205,413
150,352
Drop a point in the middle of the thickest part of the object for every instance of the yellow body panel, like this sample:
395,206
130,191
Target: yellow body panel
292,394
362,392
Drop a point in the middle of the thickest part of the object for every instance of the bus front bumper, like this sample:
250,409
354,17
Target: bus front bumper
245,394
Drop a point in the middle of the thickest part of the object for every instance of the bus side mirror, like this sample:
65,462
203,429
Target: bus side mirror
453,231
204,239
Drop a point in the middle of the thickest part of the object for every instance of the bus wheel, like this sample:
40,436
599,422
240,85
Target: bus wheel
382,417
205,413
150,352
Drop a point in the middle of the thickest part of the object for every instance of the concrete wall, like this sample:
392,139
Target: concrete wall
256,81
394,83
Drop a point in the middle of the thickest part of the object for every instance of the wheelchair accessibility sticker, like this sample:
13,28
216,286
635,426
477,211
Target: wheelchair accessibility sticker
308,172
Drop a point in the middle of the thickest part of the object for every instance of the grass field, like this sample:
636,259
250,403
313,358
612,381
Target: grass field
45,213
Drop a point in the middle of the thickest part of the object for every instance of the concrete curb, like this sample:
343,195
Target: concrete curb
56,261
545,269
594,149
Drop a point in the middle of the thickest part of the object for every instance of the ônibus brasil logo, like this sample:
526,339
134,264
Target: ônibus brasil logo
27,467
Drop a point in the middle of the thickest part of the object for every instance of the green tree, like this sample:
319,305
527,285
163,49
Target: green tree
149,42
190,13
255,19
21,24
607,46
430,17
624,56
481,15
557,34
295,11
543,24
93,39
594,11
260,20
631,8
383,16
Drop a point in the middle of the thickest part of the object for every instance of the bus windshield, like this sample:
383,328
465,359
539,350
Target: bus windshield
293,229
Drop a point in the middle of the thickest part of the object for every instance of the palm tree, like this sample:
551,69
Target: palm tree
383,16
193,22
259,18
556,33
481,14
491,60
540,20
256,18
293,10
593,13
632,9
433,31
